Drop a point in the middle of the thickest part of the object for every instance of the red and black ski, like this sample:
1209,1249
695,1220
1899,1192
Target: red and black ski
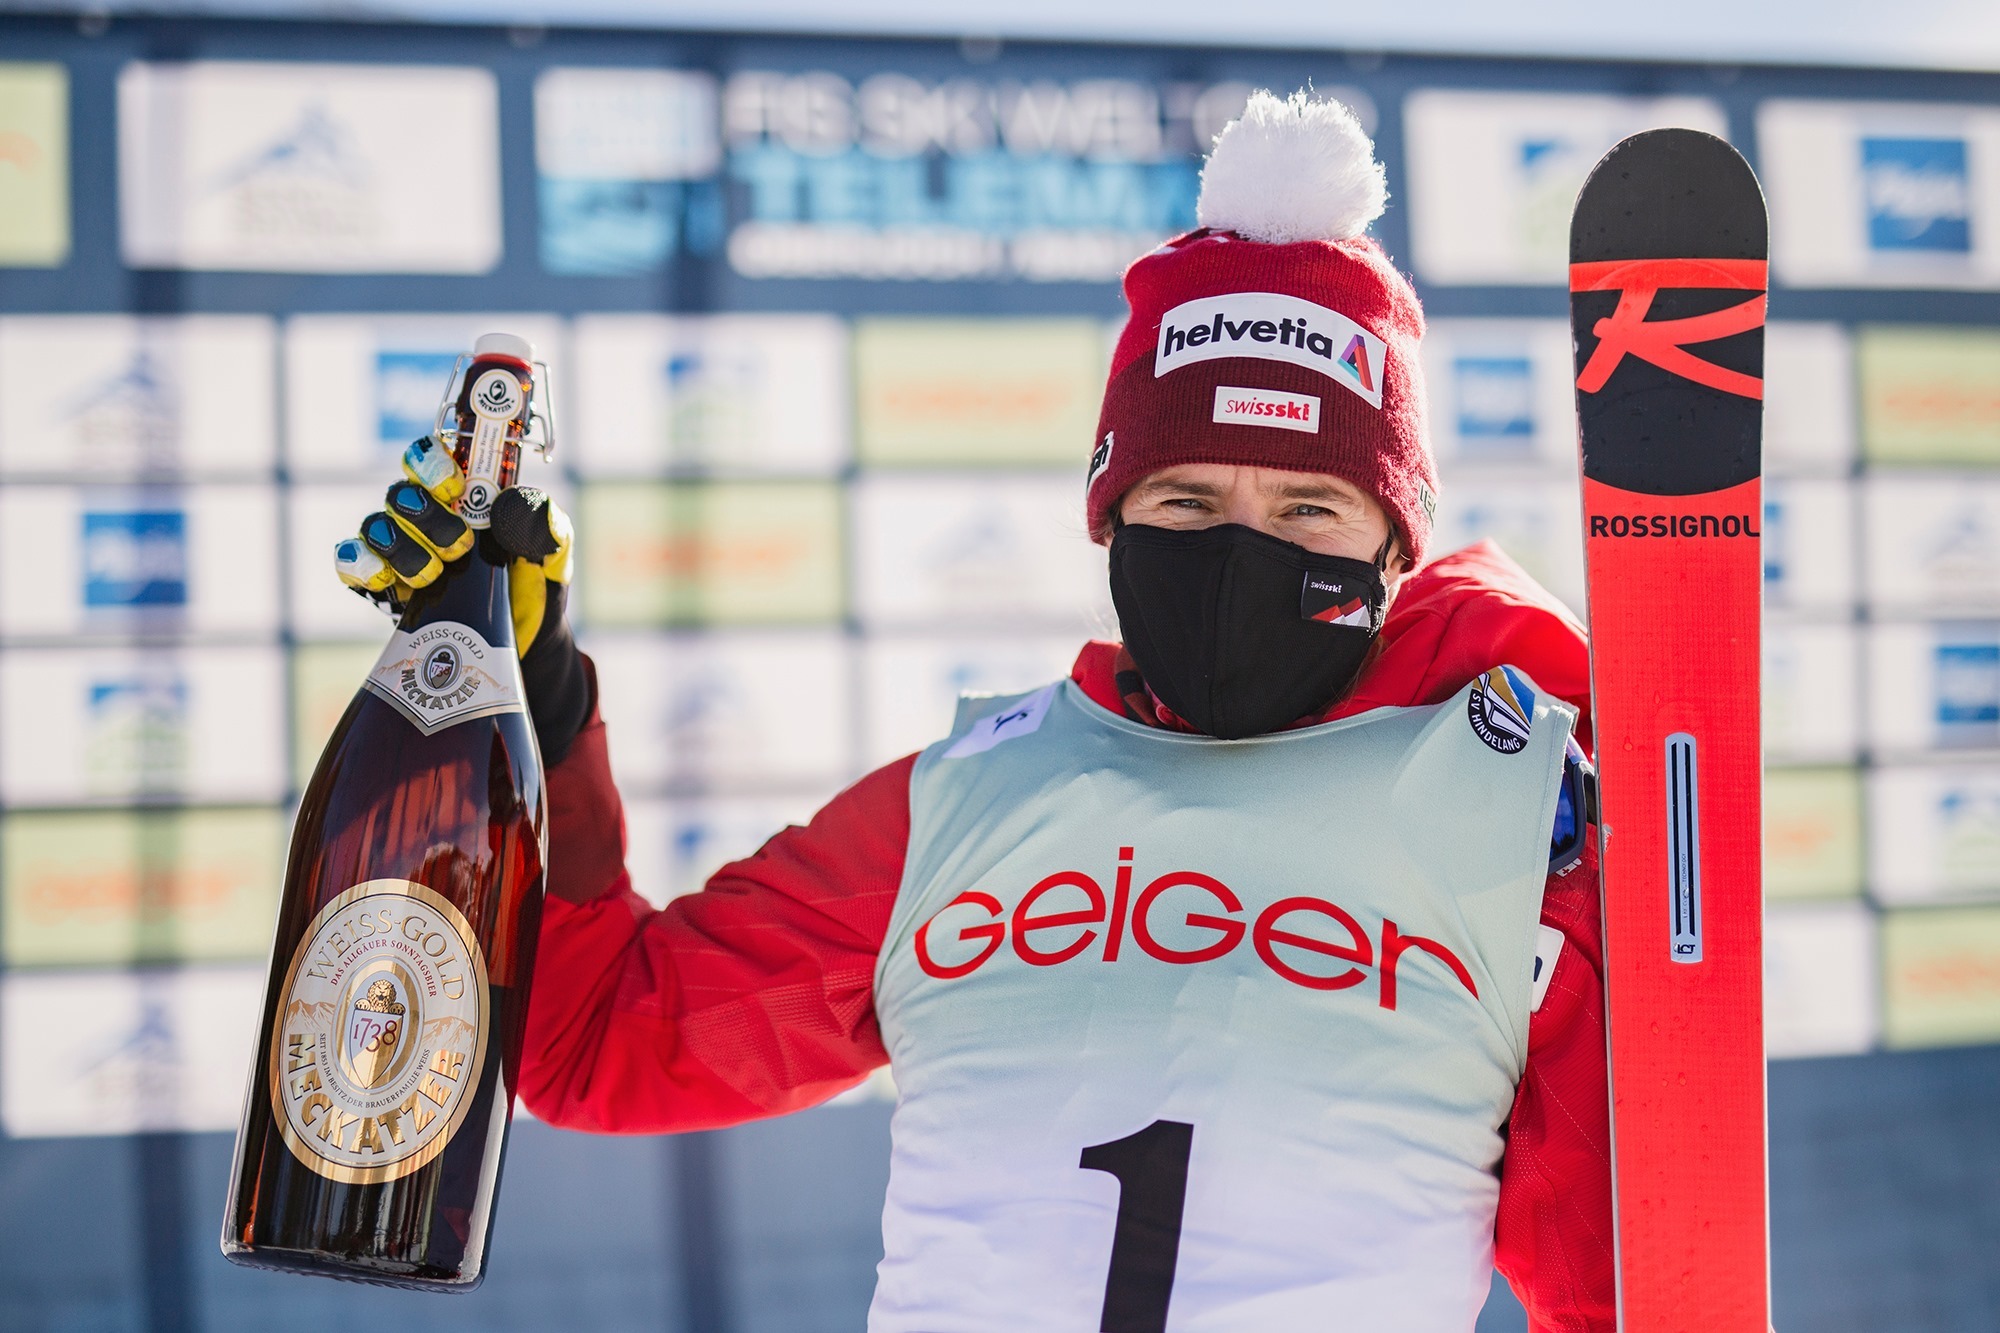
1668,258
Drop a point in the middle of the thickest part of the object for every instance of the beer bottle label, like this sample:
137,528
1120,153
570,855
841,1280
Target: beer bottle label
444,673
381,1037
496,399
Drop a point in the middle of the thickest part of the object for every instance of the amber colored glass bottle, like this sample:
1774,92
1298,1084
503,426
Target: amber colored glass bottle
388,1053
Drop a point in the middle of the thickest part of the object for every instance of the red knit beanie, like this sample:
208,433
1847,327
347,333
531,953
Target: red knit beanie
1277,334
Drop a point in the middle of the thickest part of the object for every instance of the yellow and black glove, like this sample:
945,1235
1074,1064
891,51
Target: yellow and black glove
407,544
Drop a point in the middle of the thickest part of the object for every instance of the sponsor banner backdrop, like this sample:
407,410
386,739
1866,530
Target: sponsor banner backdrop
1933,542
613,148
325,679
742,711
1882,194
976,551
1941,976
1812,833
119,396
1026,176
1535,519
728,394
1501,393
103,561
912,683
90,726
154,1051
1808,544
726,553
828,323
673,846
127,886
1934,832
1493,175
1808,399
359,388
1930,395
34,164
317,517
1811,692
1819,979
981,391
1934,686
308,168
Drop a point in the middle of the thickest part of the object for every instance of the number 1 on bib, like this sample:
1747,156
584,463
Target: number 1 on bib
1668,260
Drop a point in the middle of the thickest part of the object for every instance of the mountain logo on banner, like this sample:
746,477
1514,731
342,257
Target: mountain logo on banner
1968,822
315,147
310,181
137,732
131,417
1919,195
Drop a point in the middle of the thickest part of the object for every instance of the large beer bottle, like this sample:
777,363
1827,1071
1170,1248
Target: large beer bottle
386,1063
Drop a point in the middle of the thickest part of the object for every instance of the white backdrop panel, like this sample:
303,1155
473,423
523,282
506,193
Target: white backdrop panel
113,724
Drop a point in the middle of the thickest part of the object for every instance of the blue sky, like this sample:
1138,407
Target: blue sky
1944,34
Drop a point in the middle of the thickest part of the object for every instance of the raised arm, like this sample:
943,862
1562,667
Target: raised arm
750,998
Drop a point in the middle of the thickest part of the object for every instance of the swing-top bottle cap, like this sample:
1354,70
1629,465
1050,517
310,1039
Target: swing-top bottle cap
505,344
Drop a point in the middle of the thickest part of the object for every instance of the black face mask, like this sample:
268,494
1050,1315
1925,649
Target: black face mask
1240,632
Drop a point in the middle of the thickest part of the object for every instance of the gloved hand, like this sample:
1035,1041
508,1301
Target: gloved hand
407,545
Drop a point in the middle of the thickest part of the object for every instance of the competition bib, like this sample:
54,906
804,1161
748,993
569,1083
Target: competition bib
1211,1035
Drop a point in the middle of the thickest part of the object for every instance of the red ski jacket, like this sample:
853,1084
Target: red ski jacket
754,997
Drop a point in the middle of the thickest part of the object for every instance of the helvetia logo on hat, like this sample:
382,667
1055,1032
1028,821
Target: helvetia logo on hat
1267,407
1273,327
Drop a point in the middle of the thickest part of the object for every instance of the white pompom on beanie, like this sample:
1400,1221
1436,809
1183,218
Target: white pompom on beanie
1278,333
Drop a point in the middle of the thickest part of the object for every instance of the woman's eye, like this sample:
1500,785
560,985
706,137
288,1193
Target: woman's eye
1310,511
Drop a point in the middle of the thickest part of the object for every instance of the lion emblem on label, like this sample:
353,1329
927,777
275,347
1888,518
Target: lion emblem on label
441,668
381,1039
1501,709
372,1045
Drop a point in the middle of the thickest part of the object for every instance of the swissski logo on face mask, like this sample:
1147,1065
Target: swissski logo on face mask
1335,601
1273,327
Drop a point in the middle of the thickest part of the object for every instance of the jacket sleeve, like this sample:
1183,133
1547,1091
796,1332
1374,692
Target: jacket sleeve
750,998
1553,1236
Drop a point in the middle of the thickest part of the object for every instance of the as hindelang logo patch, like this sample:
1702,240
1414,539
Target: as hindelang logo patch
1501,709
1273,327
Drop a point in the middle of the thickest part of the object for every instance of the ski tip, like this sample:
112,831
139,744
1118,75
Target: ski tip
1670,194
